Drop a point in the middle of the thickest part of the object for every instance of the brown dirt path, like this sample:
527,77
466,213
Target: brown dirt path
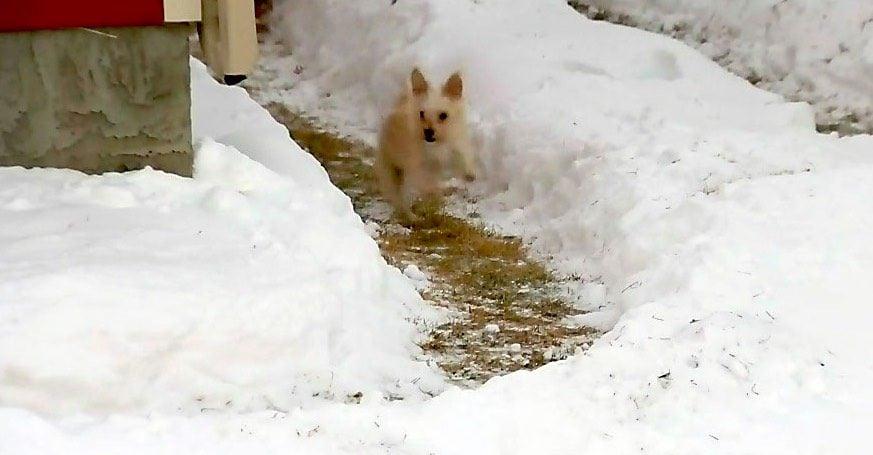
507,311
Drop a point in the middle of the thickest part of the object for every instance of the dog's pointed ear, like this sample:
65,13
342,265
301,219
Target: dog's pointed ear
454,86
419,84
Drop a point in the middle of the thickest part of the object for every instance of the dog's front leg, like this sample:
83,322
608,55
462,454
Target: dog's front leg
464,162
418,174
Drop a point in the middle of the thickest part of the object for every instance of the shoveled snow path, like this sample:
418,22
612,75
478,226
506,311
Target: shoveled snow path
725,243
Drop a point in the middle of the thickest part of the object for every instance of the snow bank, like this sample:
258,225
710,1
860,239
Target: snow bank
820,51
719,237
252,286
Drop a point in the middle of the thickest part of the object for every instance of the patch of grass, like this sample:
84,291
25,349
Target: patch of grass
487,279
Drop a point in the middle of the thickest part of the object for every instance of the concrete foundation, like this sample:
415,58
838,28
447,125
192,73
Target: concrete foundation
111,99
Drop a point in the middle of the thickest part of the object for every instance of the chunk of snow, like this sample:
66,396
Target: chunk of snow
419,278
414,273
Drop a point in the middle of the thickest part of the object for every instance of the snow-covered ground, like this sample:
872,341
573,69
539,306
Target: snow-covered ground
819,51
724,244
252,287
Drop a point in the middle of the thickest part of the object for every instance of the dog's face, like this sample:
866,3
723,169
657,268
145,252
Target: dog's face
439,111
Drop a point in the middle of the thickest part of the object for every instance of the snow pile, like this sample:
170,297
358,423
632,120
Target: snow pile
252,286
716,233
820,51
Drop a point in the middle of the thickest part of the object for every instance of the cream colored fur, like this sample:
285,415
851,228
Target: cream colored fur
424,136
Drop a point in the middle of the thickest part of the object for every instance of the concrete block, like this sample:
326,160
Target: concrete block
111,99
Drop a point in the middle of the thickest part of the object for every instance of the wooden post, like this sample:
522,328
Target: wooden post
228,38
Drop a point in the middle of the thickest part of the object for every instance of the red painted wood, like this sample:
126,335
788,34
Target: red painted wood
19,15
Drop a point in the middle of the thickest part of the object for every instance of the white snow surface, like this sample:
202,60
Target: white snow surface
721,241
820,51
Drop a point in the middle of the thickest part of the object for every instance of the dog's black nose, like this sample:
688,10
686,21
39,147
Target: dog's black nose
428,135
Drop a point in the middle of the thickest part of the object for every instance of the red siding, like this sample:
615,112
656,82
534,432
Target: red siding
18,15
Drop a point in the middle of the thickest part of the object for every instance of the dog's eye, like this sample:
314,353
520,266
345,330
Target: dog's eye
421,115
443,116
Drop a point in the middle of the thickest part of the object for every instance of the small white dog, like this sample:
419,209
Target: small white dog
425,134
